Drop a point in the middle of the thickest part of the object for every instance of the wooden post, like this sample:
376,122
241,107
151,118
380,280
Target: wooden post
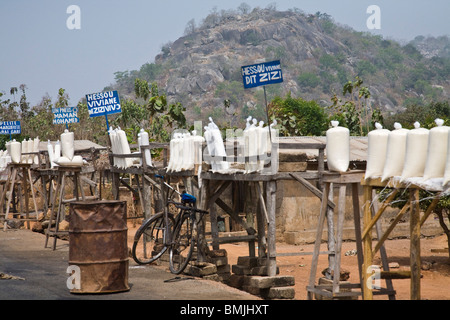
331,240
271,188
339,236
357,223
315,257
415,244
146,196
367,242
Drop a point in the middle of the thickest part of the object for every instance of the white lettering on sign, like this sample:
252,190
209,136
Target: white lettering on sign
103,103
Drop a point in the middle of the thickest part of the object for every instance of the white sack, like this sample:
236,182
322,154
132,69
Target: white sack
416,152
395,154
376,151
338,148
437,151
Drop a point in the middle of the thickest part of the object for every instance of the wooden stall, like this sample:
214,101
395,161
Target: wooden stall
416,220
265,186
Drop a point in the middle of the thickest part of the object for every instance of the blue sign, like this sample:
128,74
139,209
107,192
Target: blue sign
103,103
10,127
65,115
261,74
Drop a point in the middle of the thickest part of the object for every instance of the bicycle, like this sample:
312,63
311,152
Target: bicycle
185,237
154,236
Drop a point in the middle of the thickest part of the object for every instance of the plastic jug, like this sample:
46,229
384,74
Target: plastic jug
437,151
338,147
416,152
395,153
376,151
67,144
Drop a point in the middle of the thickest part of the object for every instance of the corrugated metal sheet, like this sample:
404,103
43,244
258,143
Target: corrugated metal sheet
358,146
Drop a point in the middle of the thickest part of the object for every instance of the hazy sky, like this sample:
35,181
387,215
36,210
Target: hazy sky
39,50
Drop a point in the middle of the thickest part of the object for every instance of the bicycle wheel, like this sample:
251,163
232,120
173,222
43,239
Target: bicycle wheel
182,244
149,241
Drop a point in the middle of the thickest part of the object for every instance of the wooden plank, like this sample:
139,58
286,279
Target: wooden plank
391,227
391,275
301,145
235,239
235,216
315,258
386,203
288,254
339,236
311,188
430,209
384,259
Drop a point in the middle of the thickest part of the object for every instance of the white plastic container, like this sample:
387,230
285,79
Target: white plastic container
338,148
16,151
447,165
67,144
395,153
24,149
261,135
57,152
216,147
145,142
251,146
416,152
36,142
437,151
125,147
51,154
376,151
197,154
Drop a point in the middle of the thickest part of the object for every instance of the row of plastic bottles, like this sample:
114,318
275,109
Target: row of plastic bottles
185,151
407,154
15,149
254,140
119,145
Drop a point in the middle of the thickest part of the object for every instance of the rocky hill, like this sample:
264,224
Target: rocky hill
202,69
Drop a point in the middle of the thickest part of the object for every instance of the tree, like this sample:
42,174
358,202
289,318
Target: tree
244,8
424,114
298,117
190,27
150,110
358,115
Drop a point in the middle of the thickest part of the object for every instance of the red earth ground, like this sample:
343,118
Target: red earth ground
435,282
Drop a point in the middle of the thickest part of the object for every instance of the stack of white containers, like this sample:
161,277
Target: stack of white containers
185,151
418,156
119,145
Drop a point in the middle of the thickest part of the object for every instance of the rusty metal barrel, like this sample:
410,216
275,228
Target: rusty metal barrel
98,245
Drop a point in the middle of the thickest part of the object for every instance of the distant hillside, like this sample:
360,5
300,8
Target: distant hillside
203,68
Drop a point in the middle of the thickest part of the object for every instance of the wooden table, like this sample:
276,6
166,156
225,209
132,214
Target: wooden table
412,205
